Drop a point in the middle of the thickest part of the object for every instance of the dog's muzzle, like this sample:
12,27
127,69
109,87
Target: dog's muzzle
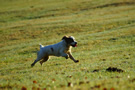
74,44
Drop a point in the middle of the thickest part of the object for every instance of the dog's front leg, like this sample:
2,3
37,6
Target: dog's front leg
71,57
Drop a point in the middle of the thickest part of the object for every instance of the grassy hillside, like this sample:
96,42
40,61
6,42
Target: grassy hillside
104,29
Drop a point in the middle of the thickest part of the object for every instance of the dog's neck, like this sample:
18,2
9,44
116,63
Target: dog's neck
67,48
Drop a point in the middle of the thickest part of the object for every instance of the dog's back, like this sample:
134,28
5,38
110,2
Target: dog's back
53,49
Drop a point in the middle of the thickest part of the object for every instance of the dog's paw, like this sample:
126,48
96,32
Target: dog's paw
32,65
76,61
66,57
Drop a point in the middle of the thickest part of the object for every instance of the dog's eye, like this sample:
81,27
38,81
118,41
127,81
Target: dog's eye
71,40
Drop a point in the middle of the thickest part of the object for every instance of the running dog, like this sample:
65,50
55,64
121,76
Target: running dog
62,49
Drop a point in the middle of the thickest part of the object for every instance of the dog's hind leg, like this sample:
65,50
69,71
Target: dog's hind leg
35,62
44,60
40,56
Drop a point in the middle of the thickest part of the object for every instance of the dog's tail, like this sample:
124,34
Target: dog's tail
41,46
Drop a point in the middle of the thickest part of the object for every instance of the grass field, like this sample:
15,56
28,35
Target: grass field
104,29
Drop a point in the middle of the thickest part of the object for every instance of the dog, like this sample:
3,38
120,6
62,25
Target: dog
62,49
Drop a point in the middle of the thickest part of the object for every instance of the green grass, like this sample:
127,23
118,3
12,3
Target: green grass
104,29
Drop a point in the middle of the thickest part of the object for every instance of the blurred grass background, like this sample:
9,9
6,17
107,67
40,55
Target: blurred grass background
105,31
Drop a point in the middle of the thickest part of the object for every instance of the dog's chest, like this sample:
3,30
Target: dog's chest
68,49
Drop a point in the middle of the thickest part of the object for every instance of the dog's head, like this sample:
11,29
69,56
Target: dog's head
70,40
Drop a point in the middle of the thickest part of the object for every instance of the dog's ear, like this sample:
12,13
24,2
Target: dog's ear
65,37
